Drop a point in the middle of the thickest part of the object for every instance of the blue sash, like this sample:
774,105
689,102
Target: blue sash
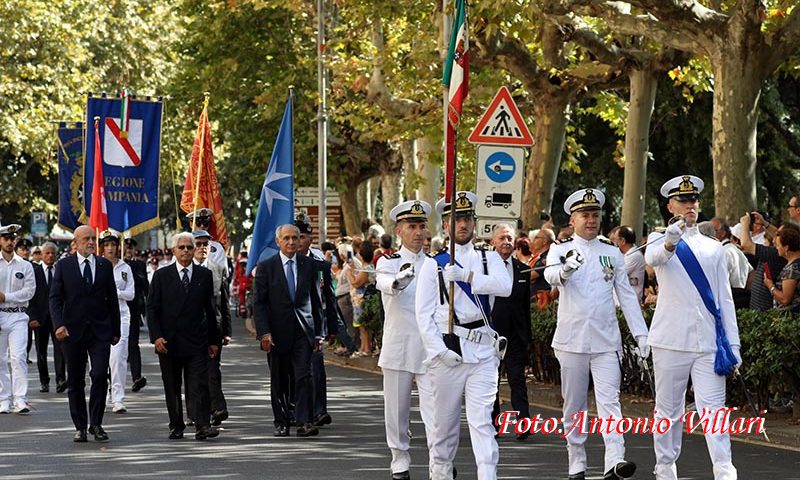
442,259
725,362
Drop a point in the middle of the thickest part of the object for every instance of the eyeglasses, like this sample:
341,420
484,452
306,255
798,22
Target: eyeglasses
200,244
185,247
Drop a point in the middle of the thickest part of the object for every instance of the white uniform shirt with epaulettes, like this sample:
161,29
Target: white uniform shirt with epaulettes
681,321
587,317
432,314
402,348
18,285
123,278
217,254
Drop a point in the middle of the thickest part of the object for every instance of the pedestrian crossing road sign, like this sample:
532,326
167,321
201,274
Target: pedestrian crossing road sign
502,124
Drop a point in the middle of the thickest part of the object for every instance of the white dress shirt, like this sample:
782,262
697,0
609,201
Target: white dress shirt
587,317
92,266
180,270
285,259
681,321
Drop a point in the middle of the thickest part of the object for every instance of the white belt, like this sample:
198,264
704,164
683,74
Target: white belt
475,335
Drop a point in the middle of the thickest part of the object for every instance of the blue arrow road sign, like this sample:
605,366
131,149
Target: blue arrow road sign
500,167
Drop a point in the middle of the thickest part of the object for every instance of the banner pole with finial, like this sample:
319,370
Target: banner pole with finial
199,172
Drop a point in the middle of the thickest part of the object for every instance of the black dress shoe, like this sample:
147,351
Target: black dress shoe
100,435
523,436
307,430
623,469
206,432
44,388
401,476
138,384
578,476
80,436
175,434
218,417
61,386
321,420
281,431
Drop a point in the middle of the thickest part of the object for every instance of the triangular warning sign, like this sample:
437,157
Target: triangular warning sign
502,124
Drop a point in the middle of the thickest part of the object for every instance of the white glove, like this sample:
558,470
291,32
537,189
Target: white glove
450,358
674,232
403,278
454,273
644,348
737,353
572,261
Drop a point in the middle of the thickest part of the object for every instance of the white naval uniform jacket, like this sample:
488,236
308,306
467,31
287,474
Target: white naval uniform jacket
123,278
681,320
216,253
432,315
587,317
18,284
402,347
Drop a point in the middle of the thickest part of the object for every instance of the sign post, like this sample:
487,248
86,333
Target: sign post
39,224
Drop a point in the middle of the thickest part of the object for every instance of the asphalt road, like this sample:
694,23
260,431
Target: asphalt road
40,445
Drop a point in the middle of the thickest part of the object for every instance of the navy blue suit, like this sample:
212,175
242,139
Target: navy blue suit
293,324
91,316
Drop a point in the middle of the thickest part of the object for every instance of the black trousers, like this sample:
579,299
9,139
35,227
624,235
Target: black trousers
43,335
281,366
215,383
195,369
134,354
514,363
320,380
76,354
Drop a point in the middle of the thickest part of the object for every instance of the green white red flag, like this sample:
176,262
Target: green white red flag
456,77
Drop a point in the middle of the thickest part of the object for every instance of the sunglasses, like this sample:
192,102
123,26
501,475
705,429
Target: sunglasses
200,244
185,247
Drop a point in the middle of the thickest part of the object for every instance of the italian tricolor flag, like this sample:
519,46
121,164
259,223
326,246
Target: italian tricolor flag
456,76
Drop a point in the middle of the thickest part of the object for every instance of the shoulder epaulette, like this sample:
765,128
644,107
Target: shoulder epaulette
568,239
431,254
606,241
390,256
481,247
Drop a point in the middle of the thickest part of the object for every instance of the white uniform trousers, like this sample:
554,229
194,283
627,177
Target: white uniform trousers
477,382
672,370
13,345
118,362
397,386
604,368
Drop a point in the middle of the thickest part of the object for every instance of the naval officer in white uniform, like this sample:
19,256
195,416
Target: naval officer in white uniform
587,270
683,333
402,352
469,369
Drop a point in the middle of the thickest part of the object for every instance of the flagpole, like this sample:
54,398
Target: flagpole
322,125
447,30
199,172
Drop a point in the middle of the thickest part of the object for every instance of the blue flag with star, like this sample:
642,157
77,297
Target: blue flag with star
276,206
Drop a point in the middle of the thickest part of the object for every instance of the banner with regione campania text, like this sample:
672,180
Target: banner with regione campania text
130,141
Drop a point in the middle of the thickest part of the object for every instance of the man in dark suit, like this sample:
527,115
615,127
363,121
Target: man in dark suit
85,313
319,414
137,308
289,325
183,327
512,319
42,323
